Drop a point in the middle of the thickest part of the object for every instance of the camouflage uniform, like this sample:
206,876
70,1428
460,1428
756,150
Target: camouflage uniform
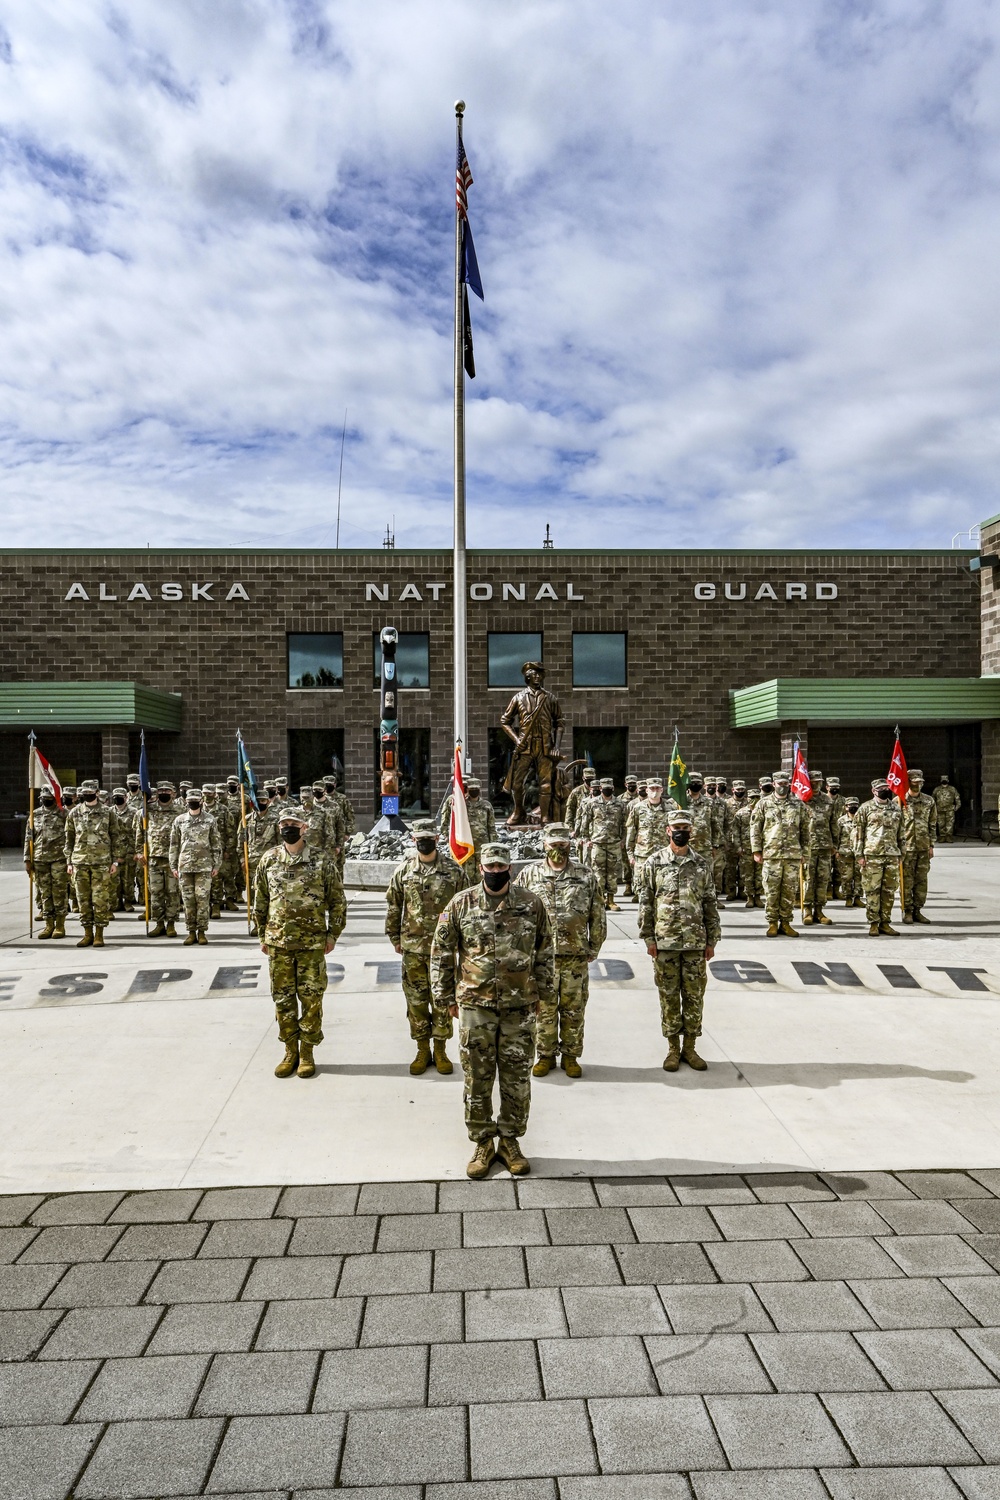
123,883
574,903
722,821
259,835
299,905
575,801
493,956
645,831
625,801
164,892
920,823
733,881
482,823
847,875
704,821
948,802
195,851
416,897
779,830
678,911
216,807
344,814
48,864
602,824
819,854
876,834
750,870
94,840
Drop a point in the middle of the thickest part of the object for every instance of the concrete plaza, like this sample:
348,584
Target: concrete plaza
775,1281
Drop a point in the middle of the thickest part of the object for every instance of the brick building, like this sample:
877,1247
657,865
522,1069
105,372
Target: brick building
743,651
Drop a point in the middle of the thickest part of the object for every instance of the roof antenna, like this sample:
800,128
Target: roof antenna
548,543
389,540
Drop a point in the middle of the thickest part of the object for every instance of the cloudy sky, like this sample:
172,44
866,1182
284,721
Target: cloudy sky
740,260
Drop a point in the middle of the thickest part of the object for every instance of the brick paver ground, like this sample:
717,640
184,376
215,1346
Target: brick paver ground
764,1337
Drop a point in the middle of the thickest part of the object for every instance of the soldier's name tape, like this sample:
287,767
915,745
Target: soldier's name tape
207,979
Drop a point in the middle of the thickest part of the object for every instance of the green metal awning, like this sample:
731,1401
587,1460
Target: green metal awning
833,701
87,705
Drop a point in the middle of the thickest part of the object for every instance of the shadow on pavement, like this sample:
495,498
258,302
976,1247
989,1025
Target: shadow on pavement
726,1074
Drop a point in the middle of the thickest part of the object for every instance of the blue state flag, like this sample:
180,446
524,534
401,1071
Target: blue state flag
244,770
144,782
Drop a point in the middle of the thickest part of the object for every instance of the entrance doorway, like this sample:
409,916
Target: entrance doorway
608,751
414,772
311,754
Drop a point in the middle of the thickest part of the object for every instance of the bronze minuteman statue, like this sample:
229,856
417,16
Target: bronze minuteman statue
534,721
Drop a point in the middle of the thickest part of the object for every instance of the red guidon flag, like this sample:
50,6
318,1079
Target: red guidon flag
459,830
898,777
801,785
42,775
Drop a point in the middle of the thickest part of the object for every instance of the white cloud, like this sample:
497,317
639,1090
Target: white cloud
740,263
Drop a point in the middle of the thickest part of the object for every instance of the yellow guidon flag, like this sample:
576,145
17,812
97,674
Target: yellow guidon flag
677,777
459,830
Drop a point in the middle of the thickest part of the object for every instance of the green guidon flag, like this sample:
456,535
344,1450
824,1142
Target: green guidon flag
677,777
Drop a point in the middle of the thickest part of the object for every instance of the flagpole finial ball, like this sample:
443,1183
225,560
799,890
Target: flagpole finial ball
460,106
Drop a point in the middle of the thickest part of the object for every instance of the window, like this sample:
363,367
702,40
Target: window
599,659
413,664
316,661
507,654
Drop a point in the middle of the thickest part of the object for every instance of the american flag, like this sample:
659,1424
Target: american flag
463,181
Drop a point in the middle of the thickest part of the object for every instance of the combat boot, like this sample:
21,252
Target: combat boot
859,901
672,1061
60,931
918,916
159,930
908,918
873,929
171,930
510,1152
773,929
87,941
571,1066
887,930
202,938
191,938
215,913
289,1062
442,1061
542,1067
807,919
306,1067
98,937
824,921
613,905
690,1056
483,1159
749,902
850,901
788,929
422,1061
50,928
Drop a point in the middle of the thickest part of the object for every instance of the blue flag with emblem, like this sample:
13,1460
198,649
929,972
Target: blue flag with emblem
244,770
144,782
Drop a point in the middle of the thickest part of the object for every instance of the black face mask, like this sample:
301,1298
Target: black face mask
290,833
740,792
194,807
164,797
884,794
694,786
90,796
48,802
473,796
119,801
680,836
607,792
426,846
495,880
767,789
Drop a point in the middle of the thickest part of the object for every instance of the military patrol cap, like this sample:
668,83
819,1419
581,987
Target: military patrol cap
916,775
695,776
763,780
631,779
652,781
319,786
556,833
164,786
816,776
494,854
754,794
474,784
422,828
208,786
850,802
589,773
305,791
281,781
220,786
194,794
781,776
833,781
291,816
679,818
608,781
739,782
132,779
185,784
879,783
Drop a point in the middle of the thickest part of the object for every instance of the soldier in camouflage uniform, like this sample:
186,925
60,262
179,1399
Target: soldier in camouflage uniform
418,893
300,912
750,872
45,861
602,825
123,885
819,852
679,923
919,834
779,834
849,884
220,812
876,834
832,786
577,796
733,879
492,956
228,820
94,845
646,828
345,813
180,801
164,892
260,833
626,799
704,819
715,788
573,900
482,818
336,822
195,861
948,802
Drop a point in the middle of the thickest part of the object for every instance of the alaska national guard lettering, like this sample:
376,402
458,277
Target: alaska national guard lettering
46,836
300,912
679,923
876,834
646,828
779,832
492,964
94,845
164,892
418,893
920,820
948,802
602,825
575,907
195,860
819,852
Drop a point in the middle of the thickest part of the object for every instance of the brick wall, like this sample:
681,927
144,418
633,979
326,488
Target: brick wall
895,614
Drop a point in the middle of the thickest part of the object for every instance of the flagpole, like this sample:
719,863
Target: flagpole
459,642
31,834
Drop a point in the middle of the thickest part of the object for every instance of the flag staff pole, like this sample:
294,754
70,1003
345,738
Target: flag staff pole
902,878
31,834
459,638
